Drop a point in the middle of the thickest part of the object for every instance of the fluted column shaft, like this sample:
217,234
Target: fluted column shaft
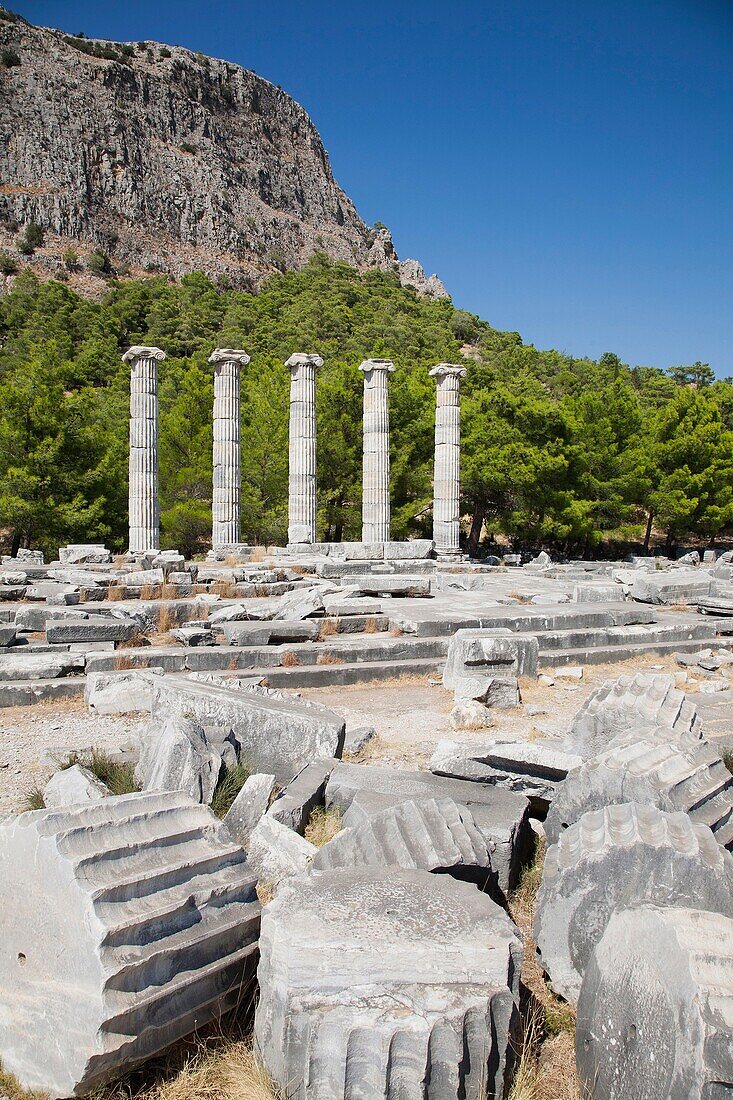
225,505
447,471
375,507
144,508
302,489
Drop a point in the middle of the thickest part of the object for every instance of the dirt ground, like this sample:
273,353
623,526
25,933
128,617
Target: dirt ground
30,737
411,715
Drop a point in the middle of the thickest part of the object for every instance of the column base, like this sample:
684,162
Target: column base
449,555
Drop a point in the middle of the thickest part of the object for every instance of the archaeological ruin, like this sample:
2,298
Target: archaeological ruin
363,871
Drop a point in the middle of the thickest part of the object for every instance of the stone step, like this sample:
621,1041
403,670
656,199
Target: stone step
599,655
525,619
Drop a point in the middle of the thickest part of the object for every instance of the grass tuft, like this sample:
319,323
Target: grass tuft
728,759
225,589
34,800
371,626
228,788
11,1090
327,629
289,659
151,591
220,1067
117,775
116,592
323,825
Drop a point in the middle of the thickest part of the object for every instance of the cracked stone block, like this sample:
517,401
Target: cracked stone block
249,806
485,655
655,1014
614,858
501,816
127,692
72,785
434,835
274,733
670,775
306,791
301,603
419,998
621,705
534,769
125,925
176,756
276,852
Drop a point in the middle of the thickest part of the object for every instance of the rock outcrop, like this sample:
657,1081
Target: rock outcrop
169,160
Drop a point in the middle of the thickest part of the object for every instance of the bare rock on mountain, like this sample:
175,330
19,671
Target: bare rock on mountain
167,160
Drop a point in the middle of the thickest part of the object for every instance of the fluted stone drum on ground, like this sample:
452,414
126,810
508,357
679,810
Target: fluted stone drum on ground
673,776
225,510
447,470
375,516
144,509
616,857
655,1015
125,924
302,490
384,986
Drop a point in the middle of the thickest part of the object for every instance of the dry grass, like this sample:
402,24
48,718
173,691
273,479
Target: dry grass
116,592
233,663
298,569
258,554
371,626
289,659
226,589
166,619
396,632
520,597
119,560
170,592
151,591
218,1068
122,664
327,629
329,659
728,759
265,891
11,1090
323,825
135,642
547,1062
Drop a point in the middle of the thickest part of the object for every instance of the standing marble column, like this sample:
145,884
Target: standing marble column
225,500
144,509
375,478
447,472
302,496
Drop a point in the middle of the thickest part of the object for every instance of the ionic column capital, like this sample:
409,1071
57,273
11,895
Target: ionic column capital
377,364
302,359
444,370
229,355
134,353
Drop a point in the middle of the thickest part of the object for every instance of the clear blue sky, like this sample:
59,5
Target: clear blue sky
566,166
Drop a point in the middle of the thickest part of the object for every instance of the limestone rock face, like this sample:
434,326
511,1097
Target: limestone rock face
163,157
125,924
656,1008
399,986
616,857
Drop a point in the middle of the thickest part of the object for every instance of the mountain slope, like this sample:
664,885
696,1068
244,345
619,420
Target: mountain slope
168,160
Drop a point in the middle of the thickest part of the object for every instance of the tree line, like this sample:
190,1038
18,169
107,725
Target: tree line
569,454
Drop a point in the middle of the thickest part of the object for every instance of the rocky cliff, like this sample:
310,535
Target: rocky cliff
162,159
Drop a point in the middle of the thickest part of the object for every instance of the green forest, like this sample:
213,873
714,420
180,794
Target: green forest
572,455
